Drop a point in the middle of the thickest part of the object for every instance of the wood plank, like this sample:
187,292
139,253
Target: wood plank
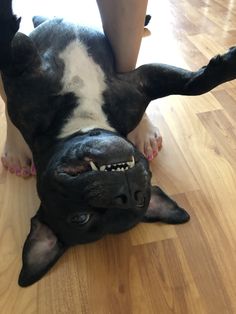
154,268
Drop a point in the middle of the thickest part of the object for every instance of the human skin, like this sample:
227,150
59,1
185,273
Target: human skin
123,23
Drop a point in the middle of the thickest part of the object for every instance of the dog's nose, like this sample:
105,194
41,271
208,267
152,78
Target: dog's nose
129,199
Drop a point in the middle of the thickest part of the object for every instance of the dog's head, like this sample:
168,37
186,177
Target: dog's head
95,183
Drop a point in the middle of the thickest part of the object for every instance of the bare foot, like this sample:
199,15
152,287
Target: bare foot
146,137
17,157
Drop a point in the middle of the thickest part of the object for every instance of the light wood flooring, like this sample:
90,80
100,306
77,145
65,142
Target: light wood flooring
154,268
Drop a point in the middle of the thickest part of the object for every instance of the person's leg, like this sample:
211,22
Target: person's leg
16,157
123,23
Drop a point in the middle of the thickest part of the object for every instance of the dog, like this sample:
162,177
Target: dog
74,111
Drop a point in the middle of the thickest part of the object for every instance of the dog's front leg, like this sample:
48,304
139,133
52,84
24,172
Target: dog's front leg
160,80
9,25
17,54
17,51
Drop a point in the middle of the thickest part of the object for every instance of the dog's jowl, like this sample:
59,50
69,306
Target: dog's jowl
74,112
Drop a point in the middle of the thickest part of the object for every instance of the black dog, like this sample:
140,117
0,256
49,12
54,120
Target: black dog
74,112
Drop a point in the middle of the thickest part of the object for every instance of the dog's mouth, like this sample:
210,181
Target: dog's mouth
90,165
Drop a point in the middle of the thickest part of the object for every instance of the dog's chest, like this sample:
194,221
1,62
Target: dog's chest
86,79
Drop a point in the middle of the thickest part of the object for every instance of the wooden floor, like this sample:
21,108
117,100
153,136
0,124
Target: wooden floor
154,268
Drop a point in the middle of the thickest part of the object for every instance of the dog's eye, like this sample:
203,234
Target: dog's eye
94,133
79,218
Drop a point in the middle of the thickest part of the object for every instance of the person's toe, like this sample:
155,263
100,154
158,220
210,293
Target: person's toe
148,151
18,171
154,146
4,162
25,172
158,139
33,170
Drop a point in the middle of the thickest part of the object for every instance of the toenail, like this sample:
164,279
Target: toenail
25,172
150,157
33,170
18,172
12,170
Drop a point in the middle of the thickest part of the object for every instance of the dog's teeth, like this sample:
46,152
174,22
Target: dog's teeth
122,166
93,166
132,163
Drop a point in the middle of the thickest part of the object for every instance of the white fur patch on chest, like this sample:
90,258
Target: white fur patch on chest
86,80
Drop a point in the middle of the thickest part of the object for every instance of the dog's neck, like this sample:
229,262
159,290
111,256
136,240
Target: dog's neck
87,81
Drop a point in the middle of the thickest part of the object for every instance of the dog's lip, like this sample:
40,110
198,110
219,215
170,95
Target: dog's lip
73,170
88,164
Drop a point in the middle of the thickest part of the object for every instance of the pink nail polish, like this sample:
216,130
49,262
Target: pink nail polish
12,170
33,170
18,172
150,157
25,172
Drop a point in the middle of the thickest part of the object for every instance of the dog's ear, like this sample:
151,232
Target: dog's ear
38,20
41,251
162,208
24,54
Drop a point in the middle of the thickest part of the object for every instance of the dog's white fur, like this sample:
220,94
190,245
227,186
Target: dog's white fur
86,80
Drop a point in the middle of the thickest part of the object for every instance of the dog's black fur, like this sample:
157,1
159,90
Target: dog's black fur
78,203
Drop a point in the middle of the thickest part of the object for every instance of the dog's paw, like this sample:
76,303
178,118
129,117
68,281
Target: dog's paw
9,23
228,58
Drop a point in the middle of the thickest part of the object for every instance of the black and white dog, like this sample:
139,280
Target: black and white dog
74,112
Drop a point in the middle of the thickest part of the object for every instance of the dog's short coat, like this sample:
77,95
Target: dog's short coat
75,111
